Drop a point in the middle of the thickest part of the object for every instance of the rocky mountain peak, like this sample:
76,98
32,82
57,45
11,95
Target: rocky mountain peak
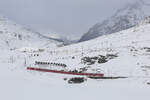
128,16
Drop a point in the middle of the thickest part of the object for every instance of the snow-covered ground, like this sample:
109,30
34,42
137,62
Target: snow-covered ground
132,55
17,83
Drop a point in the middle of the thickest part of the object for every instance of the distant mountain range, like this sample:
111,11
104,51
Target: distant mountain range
127,17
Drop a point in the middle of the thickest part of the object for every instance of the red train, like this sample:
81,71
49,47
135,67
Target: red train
66,72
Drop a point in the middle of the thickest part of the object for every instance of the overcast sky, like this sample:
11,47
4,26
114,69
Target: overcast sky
67,17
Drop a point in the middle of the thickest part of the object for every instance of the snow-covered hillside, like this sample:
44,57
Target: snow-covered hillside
14,36
130,46
122,54
127,17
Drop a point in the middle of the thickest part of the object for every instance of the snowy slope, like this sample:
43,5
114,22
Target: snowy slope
127,17
131,46
15,36
132,50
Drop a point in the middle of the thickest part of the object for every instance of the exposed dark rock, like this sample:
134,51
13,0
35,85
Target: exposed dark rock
111,56
76,80
88,60
148,83
100,59
147,49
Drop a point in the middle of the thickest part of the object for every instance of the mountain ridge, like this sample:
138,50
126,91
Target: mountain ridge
128,16
16,36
